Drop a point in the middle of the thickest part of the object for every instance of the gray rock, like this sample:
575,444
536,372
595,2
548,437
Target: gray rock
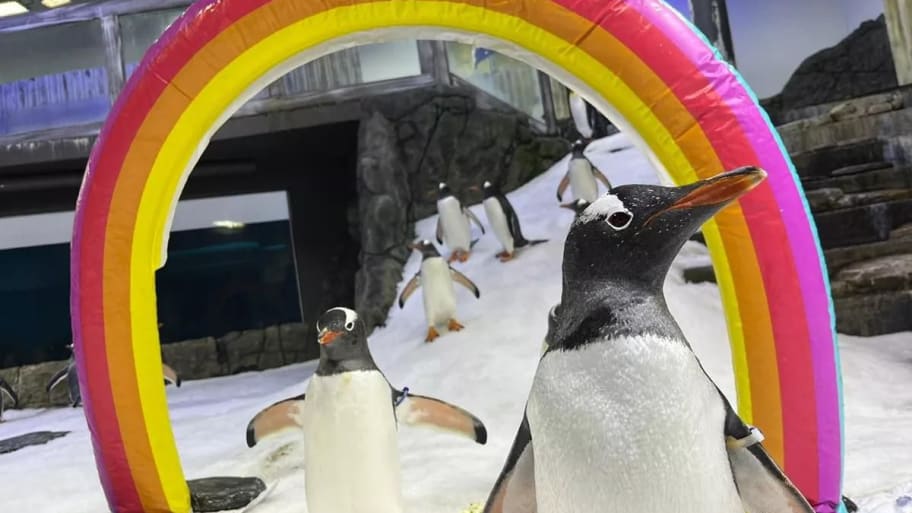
872,197
852,226
299,342
272,355
861,168
702,274
194,359
881,274
826,198
838,258
29,439
862,182
224,493
821,162
874,314
241,351
32,385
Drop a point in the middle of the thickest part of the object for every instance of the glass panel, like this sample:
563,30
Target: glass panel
561,96
352,66
393,59
55,77
507,79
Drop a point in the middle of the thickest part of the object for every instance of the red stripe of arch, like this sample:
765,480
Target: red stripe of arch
190,33
699,97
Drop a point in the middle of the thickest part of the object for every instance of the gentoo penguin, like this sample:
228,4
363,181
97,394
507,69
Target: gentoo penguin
621,415
581,175
68,373
436,276
453,228
577,206
7,391
504,222
348,418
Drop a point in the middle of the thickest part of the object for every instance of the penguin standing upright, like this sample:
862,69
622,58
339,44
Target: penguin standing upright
621,415
581,176
436,276
348,417
504,222
7,391
453,228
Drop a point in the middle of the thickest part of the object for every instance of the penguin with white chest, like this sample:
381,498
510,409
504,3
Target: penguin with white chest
581,176
437,277
505,223
621,415
348,418
453,227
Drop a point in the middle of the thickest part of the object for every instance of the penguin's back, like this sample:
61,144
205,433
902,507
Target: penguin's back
351,445
629,424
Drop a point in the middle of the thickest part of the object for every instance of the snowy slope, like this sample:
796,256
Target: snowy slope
487,368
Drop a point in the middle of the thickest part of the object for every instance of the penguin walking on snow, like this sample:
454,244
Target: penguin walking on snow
504,222
436,276
581,176
621,415
6,391
453,228
348,417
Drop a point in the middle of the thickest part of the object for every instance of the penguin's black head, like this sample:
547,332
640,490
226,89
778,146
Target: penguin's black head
426,247
443,190
578,147
633,233
341,335
576,206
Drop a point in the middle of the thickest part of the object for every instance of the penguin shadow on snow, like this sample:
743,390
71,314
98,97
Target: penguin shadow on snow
348,419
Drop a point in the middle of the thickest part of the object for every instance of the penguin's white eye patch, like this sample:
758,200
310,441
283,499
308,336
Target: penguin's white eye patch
620,219
349,325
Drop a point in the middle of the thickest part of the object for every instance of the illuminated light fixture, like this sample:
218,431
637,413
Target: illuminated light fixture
50,4
230,225
11,8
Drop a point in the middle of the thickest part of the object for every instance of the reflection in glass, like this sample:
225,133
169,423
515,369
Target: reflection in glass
505,78
55,77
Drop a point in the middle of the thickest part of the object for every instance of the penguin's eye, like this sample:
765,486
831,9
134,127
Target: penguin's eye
349,325
620,220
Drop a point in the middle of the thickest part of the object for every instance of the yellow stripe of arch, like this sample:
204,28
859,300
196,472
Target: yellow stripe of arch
206,109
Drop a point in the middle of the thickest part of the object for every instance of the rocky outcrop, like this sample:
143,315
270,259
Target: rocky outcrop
224,493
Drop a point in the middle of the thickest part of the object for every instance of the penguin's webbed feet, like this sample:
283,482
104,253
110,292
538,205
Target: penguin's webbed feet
454,326
460,255
431,334
505,257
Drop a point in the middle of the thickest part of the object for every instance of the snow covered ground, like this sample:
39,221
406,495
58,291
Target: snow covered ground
487,368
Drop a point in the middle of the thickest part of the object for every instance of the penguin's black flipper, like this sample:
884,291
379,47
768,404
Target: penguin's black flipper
7,390
471,216
419,410
57,378
409,289
439,233
465,282
171,376
274,418
761,483
514,490
564,183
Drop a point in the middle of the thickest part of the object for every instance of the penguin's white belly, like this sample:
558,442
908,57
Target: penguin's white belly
630,424
456,231
498,222
439,296
351,445
582,181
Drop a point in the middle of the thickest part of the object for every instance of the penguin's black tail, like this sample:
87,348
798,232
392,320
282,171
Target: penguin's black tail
524,242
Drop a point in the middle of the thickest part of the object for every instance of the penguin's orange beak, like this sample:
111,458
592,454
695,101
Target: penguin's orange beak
328,336
721,189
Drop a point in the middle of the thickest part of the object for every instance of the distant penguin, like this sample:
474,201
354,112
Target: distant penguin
348,419
69,373
453,224
436,276
6,391
581,176
621,415
577,206
505,223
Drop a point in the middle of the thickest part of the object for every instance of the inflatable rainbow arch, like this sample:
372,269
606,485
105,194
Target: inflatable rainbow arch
637,61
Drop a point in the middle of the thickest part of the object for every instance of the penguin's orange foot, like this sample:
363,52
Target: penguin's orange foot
454,326
431,335
459,254
505,257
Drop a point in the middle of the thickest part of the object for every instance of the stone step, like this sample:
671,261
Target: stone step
838,258
890,178
875,314
807,135
875,276
822,200
863,224
821,162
